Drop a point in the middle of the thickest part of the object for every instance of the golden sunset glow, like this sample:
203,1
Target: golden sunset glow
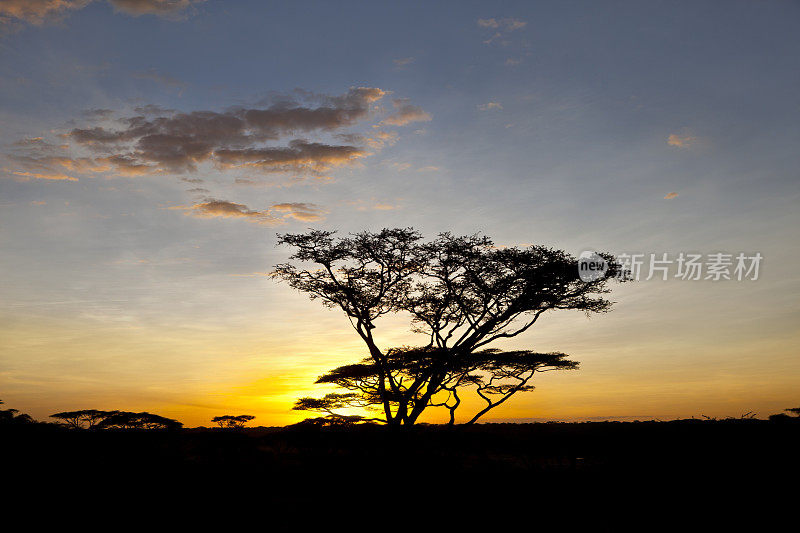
141,191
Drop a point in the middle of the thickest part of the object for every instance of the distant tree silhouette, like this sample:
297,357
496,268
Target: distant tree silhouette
85,419
10,416
463,293
783,417
332,420
232,421
129,420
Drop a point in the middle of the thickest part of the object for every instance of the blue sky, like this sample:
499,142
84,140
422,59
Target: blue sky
559,123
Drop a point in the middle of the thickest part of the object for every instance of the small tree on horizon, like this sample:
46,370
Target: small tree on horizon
463,293
232,421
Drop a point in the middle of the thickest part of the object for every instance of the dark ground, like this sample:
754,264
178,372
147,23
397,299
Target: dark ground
597,475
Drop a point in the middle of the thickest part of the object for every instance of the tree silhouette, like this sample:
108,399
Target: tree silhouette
10,416
463,293
129,420
85,419
232,421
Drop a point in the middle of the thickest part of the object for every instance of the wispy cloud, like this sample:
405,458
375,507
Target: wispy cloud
681,140
671,195
374,205
491,105
500,28
39,176
406,113
275,215
403,62
505,24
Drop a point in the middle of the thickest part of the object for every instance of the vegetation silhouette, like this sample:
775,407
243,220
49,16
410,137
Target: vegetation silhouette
95,419
12,416
232,421
462,292
783,417
84,419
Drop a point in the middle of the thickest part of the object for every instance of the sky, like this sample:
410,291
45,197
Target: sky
150,151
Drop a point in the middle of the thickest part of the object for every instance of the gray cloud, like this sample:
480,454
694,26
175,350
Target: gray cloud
268,139
179,142
505,24
98,114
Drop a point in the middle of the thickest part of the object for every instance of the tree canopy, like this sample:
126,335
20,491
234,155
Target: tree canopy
461,292
95,419
232,421
84,419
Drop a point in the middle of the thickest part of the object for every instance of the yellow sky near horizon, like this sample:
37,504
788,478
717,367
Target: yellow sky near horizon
632,365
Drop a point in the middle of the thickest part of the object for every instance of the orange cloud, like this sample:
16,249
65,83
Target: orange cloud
671,195
275,215
37,12
681,140
39,176
374,205
406,113
298,211
161,8
299,156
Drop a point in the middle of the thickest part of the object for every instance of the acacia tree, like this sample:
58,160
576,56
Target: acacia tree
129,420
232,421
84,419
461,292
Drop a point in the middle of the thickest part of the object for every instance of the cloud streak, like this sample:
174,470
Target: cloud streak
501,27
275,215
681,140
38,12
490,105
